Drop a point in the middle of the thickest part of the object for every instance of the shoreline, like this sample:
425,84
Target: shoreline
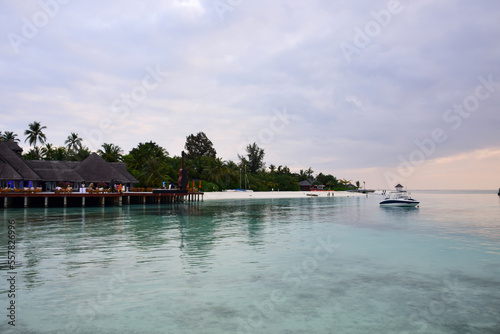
221,195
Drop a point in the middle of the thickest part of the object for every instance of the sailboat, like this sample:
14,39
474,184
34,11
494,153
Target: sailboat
245,184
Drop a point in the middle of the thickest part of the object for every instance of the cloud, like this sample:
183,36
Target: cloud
227,76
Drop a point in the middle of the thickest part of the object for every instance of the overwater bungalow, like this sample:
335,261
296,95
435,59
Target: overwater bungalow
15,172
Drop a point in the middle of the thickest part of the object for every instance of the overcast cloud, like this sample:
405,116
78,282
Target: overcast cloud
344,87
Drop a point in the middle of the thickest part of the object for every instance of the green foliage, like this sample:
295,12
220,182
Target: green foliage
254,158
51,152
199,152
329,180
35,134
208,186
199,145
80,155
33,154
152,165
73,142
148,163
110,152
283,179
9,135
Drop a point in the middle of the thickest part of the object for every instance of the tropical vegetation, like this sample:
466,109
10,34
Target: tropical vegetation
153,166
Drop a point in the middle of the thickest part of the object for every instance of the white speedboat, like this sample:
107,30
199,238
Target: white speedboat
399,198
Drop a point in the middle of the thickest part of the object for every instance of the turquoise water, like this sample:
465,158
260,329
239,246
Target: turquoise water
309,265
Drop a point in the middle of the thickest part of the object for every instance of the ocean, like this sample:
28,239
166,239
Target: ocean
283,265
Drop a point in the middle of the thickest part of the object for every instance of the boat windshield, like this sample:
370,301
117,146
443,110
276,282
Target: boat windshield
398,195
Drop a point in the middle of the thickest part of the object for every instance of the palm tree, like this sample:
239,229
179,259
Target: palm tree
214,170
110,152
154,172
9,135
309,173
34,133
33,154
60,154
82,154
73,142
47,151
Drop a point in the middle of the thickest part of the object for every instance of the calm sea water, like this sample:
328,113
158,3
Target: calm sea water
308,265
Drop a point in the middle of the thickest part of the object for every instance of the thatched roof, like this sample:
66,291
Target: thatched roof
14,146
96,169
121,167
92,169
55,170
8,173
13,166
304,183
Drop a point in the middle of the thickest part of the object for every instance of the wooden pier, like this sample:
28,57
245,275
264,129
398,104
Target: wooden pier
76,199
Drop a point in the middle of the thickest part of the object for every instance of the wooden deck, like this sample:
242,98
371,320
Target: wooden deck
77,199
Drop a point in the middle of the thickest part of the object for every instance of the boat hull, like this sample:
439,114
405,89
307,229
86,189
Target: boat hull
395,202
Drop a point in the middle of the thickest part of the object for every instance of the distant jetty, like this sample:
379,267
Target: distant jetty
362,191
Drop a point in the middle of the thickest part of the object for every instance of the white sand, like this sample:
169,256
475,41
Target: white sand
275,194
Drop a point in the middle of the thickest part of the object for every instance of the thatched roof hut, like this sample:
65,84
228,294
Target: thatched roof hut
12,166
55,171
14,146
305,185
93,169
96,169
122,168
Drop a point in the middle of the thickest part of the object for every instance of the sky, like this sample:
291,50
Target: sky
381,92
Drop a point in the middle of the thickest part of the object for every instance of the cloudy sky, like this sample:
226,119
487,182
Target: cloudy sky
375,91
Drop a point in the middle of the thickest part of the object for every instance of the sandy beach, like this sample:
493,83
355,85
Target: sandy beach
275,194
